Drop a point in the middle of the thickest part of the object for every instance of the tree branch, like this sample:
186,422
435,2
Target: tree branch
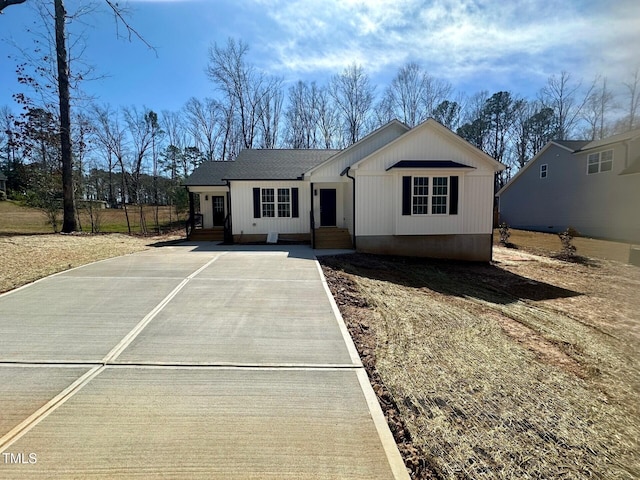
130,30
5,3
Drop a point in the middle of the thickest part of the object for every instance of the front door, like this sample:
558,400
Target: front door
327,207
218,211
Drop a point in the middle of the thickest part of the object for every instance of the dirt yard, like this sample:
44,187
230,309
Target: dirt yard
525,368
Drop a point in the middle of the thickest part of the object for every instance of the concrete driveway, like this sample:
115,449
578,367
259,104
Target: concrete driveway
190,361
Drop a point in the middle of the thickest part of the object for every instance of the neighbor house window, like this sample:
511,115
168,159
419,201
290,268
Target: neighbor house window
423,197
543,171
276,202
600,162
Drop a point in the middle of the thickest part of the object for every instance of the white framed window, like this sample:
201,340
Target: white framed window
268,202
439,196
543,170
425,200
600,162
276,202
420,197
284,202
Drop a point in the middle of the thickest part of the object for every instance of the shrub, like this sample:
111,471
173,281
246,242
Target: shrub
566,239
504,234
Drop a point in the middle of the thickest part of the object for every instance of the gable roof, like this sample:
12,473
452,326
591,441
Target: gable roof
573,145
431,123
621,137
259,164
558,143
393,123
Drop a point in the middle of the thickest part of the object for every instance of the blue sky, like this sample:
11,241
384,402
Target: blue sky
474,44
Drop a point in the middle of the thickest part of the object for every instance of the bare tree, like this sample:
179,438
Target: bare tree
328,119
633,89
353,93
243,87
143,130
204,122
270,114
567,101
111,138
597,109
69,222
5,3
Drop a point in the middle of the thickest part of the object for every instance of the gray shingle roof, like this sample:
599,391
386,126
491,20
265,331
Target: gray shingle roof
253,164
428,164
209,173
574,145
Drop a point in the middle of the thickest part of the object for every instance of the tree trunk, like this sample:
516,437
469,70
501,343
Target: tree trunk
69,223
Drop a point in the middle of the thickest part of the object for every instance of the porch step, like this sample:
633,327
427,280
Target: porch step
329,237
207,235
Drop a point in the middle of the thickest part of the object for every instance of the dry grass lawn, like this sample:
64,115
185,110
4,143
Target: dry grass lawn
18,219
526,368
26,258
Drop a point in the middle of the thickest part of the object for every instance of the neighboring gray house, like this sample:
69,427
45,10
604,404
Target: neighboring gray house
3,182
593,187
419,191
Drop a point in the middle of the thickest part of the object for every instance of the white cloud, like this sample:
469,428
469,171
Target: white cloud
454,39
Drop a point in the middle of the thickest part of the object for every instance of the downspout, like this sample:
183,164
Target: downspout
312,220
228,224
353,179
192,213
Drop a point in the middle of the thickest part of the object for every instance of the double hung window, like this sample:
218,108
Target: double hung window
600,162
430,195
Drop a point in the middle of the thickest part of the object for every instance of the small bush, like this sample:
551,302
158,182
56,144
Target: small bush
504,234
566,238
3,196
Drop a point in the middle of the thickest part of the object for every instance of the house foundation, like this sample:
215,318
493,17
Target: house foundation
473,247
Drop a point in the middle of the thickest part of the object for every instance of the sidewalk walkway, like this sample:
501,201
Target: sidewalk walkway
189,361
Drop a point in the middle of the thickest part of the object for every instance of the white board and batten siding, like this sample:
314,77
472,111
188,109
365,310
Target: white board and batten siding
206,203
379,192
332,169
242,209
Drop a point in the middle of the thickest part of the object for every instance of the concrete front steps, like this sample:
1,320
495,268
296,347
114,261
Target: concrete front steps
332,237
207,235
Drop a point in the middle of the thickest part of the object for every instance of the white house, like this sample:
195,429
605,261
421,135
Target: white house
420,192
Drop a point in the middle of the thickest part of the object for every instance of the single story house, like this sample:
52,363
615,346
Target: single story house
593,187
419,191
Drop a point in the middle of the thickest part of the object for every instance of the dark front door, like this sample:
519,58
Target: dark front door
327,207
218,211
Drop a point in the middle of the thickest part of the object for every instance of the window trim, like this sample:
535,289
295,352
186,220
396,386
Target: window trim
598,161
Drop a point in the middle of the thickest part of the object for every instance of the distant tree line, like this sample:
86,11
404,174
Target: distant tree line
134,155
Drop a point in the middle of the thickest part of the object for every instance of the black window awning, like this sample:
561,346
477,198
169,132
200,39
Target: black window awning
428,164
